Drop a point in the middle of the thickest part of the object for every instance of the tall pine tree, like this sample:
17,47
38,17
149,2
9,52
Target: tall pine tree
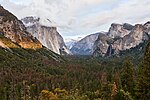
127,76
143,82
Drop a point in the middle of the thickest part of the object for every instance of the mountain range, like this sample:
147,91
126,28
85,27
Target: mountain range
120,37
29,33
16,44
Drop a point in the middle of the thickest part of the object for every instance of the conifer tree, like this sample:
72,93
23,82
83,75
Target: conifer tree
143,82
127,76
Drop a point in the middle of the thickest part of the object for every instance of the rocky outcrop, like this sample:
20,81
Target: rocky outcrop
127,26
85,45
118,30
15,30
101,45
147,27
110,51
121,37
71,42
118,38
48,36
130,40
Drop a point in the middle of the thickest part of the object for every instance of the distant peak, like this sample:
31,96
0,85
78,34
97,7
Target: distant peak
115,24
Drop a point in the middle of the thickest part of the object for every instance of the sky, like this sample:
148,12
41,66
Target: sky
78,18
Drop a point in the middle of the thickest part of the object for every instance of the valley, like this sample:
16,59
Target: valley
36,64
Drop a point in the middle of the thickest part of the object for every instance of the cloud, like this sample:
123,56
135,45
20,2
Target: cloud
80,17
131,12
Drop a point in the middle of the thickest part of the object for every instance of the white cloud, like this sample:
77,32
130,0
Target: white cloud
80,17
131,12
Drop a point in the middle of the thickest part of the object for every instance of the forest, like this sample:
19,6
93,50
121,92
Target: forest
28,75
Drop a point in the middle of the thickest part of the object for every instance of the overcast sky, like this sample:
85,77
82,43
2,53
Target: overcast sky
75,18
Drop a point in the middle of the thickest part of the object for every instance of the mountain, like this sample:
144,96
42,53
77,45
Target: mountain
71,42
122,37
85,45
118,30
101,45
119,37
14,29
48,36
17,46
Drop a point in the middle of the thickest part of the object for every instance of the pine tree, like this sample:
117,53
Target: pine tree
127,76
143,82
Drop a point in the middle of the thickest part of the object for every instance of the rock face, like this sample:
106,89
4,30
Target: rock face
118,38
85,45
118,30
48,36
121,37
130,40
71,42
101,45
147,27
15,30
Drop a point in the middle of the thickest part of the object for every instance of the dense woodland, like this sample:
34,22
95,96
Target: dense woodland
34,75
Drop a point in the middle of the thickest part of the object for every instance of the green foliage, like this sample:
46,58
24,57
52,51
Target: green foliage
122,95
143,82
127,76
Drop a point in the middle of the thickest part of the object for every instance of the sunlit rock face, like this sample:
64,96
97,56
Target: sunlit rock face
134,38
48,36
15,30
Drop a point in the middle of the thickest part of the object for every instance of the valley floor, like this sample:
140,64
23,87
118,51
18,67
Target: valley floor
28,75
